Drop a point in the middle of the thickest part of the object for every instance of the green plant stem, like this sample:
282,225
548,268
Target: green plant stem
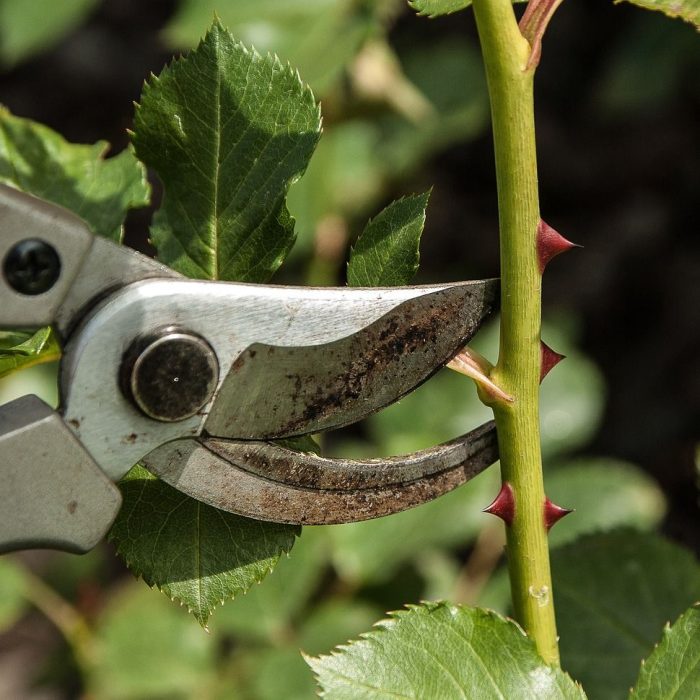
517,372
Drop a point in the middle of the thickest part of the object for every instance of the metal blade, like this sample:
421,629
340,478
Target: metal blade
273,391
343,353
269,482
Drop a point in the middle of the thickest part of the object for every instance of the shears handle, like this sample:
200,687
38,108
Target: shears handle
53,495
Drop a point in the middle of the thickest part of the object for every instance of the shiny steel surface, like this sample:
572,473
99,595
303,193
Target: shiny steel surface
268,482
232,318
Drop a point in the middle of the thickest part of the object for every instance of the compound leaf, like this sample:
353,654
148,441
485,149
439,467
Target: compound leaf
688,10
386,254
673,668
37,160
196,554
227,131
614,593
438,650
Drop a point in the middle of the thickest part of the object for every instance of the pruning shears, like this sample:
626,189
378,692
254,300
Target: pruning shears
196,379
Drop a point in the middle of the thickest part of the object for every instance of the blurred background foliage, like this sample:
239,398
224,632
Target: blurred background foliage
405,108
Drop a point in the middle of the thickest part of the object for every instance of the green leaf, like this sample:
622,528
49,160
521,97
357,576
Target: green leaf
12,600
386,254
25,30
605,494
318,37
196,554
437,650
227,131
688,10
614,592
266,613
435,8
19,350
149,649
673,669
37,160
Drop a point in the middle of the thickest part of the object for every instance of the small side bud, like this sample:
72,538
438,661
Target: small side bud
548,359
553,513
503,505
550,243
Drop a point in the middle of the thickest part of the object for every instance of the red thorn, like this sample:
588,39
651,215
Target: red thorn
550,243
503,505
553,513
548,359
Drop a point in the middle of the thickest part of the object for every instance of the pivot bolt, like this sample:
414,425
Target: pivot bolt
170,376
32,267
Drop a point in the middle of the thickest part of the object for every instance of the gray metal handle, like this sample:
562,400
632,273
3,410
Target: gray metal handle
53,495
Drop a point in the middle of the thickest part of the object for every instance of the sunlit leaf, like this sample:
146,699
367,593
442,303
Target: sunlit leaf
196,554
227,131
32,349
688,10
437,650
37,160
434,8
318,37
386,253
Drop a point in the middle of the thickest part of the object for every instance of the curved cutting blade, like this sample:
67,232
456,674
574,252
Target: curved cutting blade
268,482
274,392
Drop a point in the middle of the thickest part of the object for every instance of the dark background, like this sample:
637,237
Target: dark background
618,174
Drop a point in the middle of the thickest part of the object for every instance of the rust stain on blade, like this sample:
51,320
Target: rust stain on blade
272,392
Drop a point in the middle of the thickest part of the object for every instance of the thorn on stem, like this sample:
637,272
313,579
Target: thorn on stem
550,243
503,505
548,359
553,513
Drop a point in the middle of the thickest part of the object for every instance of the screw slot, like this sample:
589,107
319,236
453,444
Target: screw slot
32,267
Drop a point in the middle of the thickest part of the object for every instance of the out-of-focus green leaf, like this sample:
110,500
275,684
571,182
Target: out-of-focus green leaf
266,613
149,649
387,252
318,37
28,27
12,601
435,8
672,671
571,407
334,622
437,650
605,494
647,67
688,10
37,160
195,554
614,592
371,551
572,396
32,349
227,131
